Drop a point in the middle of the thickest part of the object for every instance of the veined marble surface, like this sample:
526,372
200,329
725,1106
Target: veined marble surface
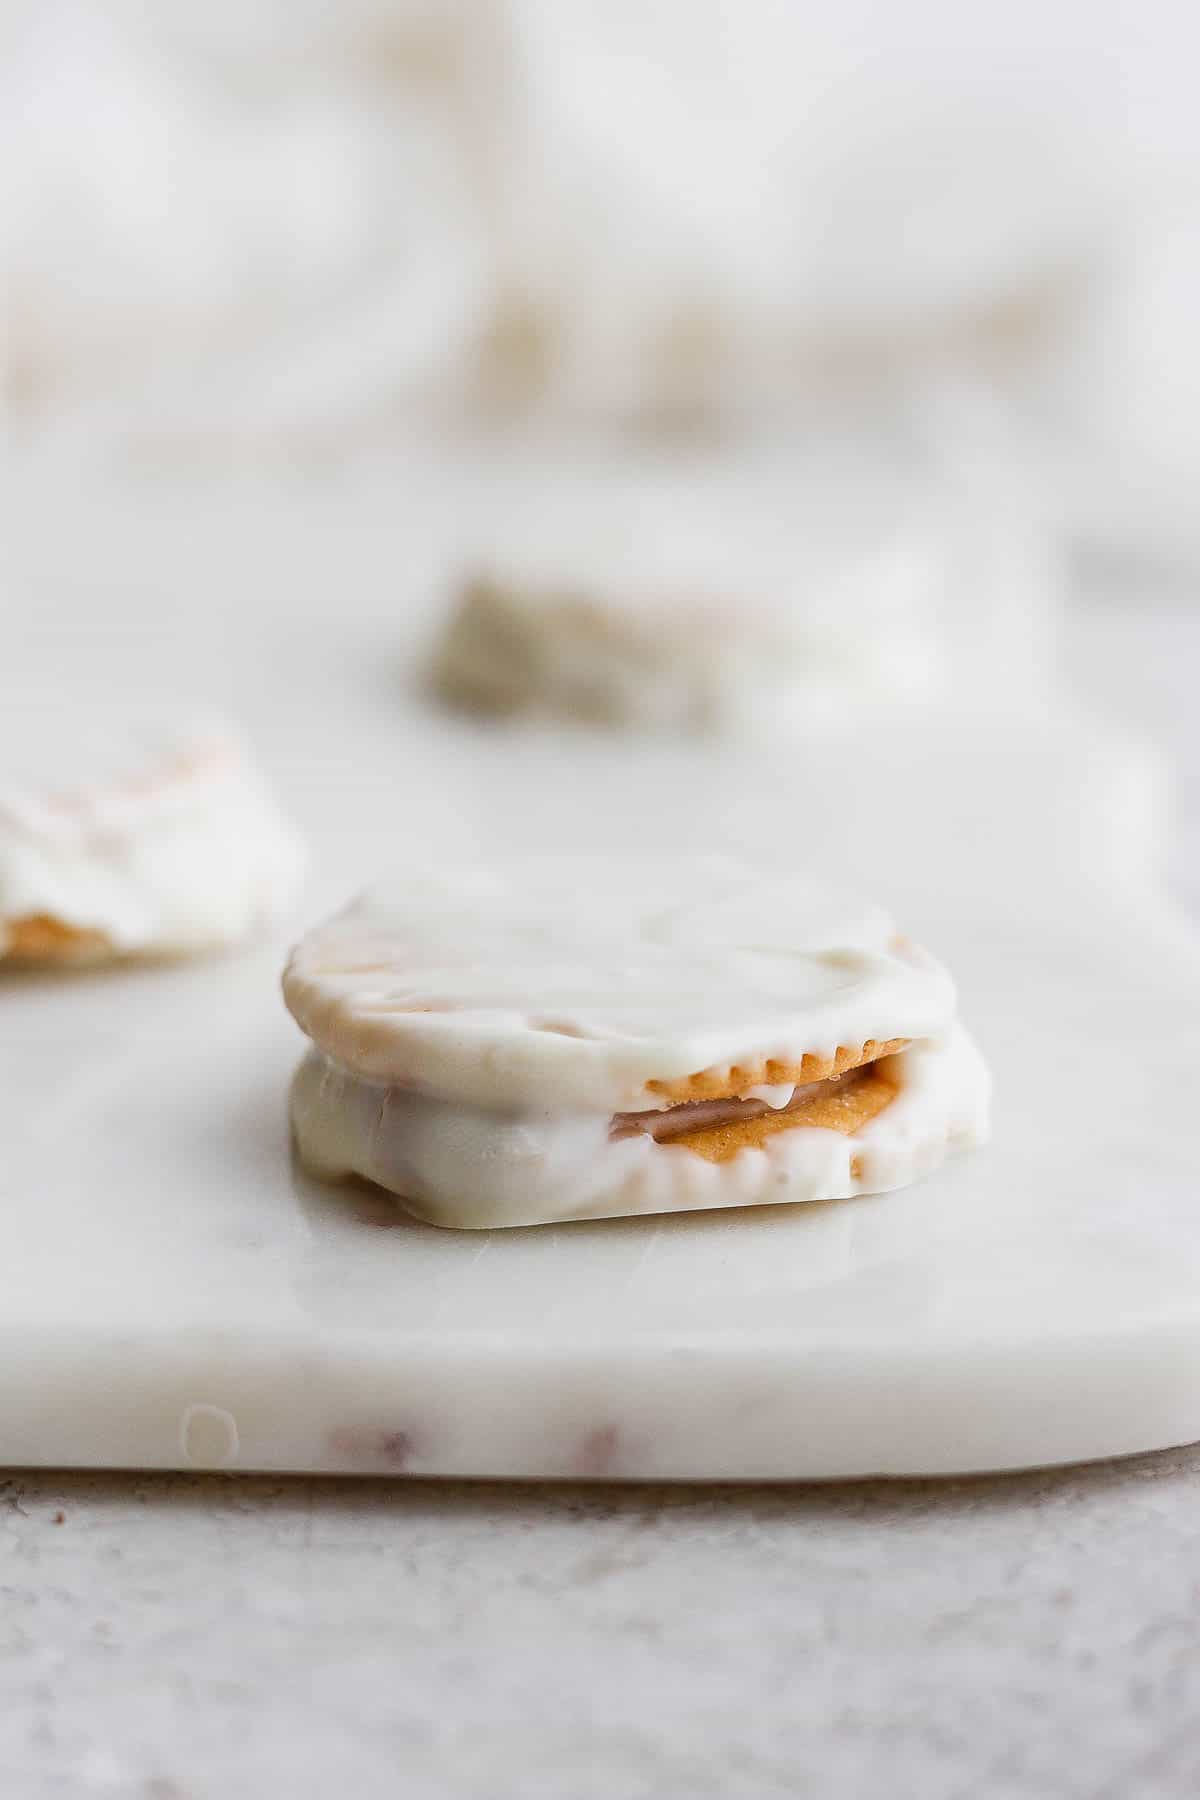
176,1293
1009,1637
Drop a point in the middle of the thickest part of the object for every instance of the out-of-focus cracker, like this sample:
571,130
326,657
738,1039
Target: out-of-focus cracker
40,938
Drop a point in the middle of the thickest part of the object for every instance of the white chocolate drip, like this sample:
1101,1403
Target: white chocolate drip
775,1095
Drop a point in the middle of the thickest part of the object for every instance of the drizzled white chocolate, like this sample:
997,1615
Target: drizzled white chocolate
496,1045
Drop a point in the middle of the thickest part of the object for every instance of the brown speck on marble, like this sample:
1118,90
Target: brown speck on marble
161,1787
369,1447
597,1454
396,1447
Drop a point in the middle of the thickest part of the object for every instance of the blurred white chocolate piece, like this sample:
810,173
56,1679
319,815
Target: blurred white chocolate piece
684,633
135,839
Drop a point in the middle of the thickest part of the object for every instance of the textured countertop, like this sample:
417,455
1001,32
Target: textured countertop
173,1639
184,1638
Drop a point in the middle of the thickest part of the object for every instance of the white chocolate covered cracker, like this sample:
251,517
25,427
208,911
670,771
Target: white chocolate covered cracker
508,1045
125,838
630,598
680,657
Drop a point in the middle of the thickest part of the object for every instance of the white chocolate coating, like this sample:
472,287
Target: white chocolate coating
571,983
610,642
161,840
471,1168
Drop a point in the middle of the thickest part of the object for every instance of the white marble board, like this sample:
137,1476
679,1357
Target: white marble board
173,1293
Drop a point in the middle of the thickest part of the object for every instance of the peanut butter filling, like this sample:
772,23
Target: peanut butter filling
718,1129
40,938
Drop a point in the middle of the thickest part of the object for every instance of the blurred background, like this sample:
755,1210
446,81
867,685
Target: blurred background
302,304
